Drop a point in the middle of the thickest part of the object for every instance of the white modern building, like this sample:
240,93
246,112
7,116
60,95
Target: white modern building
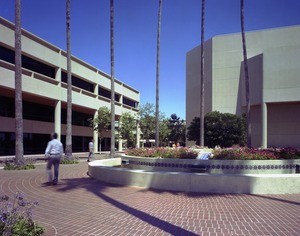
44,85
274,71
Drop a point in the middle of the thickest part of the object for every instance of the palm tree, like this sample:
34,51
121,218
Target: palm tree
246,74
112,68
19,149
69,90
157,75
202,76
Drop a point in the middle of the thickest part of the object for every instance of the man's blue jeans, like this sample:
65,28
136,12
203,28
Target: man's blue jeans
54,160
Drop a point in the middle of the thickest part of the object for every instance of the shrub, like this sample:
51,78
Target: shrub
16,217
25,164
181,153
256,154
221,129
66,161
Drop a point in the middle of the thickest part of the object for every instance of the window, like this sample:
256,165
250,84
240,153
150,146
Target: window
130,102
31,111
107,94
78,82
27,62
78,118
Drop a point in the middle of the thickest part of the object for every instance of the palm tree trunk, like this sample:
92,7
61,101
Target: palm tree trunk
69,89
112,68
19,149
157,75
202,76
247,81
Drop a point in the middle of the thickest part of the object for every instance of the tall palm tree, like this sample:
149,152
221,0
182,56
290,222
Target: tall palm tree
19,149
202,76
246,74
157,75
112,68
69,89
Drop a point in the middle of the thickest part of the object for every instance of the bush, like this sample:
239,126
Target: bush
221,129
256,154
65,160
180,153
16,217
25,164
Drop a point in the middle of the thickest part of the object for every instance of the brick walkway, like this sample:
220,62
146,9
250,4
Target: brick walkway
79,205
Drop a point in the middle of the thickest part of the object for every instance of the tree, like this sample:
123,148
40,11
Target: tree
164,131
202,76
157,75
177,129
19,148
147,121
128,125
221,129
112,68
69,89
101,123
246,74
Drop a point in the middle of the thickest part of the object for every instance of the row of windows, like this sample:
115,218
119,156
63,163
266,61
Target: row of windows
39,112
8,55
27,62
37,143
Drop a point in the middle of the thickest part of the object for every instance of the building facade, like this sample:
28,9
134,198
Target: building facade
44,89
274,71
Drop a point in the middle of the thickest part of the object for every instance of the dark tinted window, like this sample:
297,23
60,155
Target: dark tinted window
106,93
78,82
31,111
78,118
33,143
27,62
130,102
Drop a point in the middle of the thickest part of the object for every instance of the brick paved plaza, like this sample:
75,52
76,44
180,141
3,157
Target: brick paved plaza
79,205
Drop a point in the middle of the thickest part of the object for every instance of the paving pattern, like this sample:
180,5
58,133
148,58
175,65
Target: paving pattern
80,206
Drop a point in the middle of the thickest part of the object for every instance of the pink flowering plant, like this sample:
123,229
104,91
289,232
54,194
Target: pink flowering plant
163,152
238,153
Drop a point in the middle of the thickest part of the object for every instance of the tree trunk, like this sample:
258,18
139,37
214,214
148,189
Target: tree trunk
157,75
69,90
202,76
247,81
19,149
112,68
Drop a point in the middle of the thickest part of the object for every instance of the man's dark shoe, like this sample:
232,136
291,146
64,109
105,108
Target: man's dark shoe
54,183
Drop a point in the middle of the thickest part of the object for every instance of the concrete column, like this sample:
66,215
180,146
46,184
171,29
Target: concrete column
58,74
137,134
57,119
264,125
95,135
96,87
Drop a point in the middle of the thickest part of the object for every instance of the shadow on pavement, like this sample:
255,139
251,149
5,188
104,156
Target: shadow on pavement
96,187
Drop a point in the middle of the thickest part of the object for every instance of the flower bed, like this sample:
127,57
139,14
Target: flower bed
256,154
179,153
219,154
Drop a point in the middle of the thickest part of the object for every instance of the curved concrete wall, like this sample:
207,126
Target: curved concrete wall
214,166
103,170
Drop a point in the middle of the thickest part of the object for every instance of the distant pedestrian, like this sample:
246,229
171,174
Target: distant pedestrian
53,153
91,150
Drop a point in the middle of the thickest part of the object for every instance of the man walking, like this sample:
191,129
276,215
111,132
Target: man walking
53,153
91,150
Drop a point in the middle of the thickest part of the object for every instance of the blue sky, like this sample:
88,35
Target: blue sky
135,35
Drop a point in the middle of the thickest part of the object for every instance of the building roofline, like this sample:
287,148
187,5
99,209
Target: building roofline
45,43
